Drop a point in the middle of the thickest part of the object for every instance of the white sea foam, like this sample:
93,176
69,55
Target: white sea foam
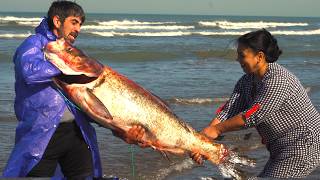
194,101
297,33
203,33
19,19
230,167
130,22
168,33
137,27
112,33
207,178
282,32
224,33
183,165
9,35
249,25
28,23
34,21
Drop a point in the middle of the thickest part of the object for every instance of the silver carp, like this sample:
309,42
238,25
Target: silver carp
118,103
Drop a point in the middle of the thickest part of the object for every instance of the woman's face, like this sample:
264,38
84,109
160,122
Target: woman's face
248,59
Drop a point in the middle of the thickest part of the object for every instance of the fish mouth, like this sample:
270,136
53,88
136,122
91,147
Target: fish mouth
224,153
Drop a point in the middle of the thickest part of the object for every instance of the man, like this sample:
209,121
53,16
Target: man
51,130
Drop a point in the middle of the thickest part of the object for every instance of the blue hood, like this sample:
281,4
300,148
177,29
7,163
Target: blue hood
44,30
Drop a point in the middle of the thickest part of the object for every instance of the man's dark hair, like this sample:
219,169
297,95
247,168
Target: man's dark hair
64,9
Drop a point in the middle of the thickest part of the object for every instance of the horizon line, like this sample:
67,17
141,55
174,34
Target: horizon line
122,13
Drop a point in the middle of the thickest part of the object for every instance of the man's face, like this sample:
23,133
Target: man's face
70,28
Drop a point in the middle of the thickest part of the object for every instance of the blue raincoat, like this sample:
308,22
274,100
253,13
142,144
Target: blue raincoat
39,107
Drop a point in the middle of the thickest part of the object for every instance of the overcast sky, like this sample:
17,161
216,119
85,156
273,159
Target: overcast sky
298,8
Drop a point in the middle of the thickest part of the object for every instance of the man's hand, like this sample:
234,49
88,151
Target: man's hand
133,136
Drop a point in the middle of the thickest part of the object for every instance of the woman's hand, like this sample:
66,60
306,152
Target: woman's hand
211,132
197,157
214,122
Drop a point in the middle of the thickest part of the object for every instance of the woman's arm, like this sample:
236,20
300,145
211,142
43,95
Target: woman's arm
236,102
215,128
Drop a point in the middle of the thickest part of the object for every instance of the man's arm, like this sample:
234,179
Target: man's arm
133,136
30,60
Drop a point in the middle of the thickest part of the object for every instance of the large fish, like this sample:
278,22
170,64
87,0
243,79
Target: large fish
118,103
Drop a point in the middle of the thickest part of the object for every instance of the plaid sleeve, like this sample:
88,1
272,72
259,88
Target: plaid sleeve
234,105
268,100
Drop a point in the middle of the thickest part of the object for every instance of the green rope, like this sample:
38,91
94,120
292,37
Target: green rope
67,100
131,147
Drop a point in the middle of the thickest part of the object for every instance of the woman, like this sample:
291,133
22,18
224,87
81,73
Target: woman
271,99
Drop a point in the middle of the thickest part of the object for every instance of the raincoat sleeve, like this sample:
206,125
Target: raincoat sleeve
269,100
30,60
234,105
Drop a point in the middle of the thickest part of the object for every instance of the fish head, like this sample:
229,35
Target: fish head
71,60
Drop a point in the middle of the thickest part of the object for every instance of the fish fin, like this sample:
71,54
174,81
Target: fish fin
97,109
93,106
161,100
165,155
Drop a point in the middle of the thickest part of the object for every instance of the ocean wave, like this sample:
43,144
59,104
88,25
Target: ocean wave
207,178
205,101
163,34
131,22
24,19
224,33
137,27
298,33
203,33
197,101
238,33
178,167
150,34
29,23
249,25
34,21
9,35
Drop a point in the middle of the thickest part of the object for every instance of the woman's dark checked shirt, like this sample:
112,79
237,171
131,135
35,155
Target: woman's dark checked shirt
279,108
